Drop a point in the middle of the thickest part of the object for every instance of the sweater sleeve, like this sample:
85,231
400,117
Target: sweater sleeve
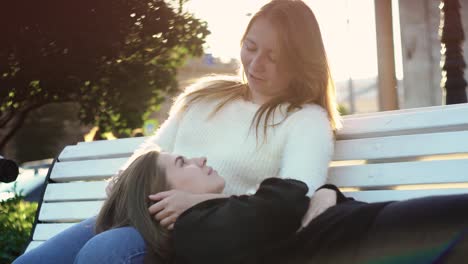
229,230
308,148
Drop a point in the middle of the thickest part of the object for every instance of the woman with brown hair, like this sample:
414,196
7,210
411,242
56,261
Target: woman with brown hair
128,202
282,202
266,227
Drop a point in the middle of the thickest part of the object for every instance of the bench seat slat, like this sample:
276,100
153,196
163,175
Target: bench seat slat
400,173
75,191
69,211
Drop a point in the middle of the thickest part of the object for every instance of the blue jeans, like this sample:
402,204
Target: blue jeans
79,244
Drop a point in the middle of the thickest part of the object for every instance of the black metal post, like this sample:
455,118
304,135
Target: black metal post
452,61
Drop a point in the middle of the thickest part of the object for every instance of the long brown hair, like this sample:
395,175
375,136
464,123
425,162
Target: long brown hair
302,55
127,205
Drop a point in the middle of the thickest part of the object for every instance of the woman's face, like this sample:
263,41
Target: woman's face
259,56
190,175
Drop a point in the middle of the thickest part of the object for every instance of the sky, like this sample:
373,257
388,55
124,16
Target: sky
351,47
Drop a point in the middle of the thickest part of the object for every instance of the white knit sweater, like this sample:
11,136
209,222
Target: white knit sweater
301,147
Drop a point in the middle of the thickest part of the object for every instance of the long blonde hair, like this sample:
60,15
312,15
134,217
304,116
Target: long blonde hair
127,205
302,55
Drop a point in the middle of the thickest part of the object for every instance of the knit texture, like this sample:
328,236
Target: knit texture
300,148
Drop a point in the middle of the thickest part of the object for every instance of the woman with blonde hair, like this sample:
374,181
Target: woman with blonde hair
279,120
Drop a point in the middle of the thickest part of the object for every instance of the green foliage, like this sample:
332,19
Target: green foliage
116,59
343,110
16,221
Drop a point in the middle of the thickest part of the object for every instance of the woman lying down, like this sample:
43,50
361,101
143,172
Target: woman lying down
265,227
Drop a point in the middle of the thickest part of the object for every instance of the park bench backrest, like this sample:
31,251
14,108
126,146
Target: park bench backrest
391,155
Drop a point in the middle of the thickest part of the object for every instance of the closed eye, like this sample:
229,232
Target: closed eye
250,45
250,48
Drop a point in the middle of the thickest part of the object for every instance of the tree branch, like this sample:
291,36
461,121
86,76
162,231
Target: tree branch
17,121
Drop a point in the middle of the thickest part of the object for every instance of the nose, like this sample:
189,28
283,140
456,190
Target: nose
201,162
258,63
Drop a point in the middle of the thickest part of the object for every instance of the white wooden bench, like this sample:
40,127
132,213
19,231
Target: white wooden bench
381,156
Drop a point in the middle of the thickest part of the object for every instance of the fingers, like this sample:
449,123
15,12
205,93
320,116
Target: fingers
160,195
169,205
163,214
161,201
165,217
157,207
168,221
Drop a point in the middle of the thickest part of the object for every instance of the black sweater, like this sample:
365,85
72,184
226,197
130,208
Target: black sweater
260,228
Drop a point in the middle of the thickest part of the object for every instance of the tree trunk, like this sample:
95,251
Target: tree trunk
12,123
388,95
453,64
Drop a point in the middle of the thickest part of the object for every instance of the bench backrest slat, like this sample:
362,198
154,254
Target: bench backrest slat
101,149
86,169
46,231
354,149
403,122
75,191
369,175
68,211
402,146
400,173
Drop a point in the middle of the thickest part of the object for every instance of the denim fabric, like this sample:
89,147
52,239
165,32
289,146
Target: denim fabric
79,244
